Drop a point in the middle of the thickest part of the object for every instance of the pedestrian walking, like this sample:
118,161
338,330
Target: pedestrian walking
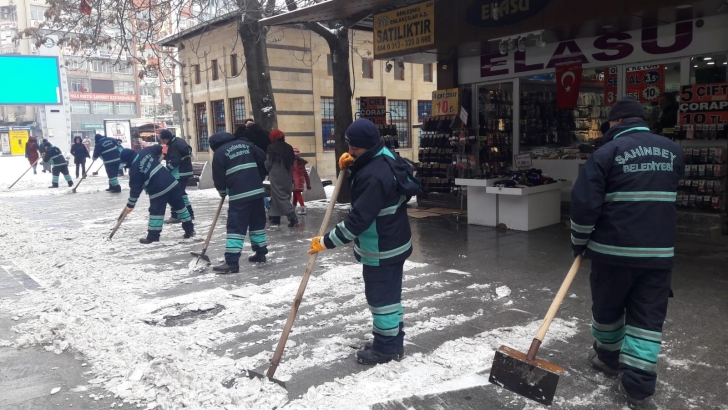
109,150
300,175
54,157
80,153
623,218
31,152
381,186
42,150
279,164
147,174
179,164
238,170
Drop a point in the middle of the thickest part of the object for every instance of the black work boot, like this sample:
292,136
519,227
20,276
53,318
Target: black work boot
53,186
115,189
70,183
148,240
600,365
400,350
372,357
189,234
109,189
631,400
172,220
226,268
259,257
292,220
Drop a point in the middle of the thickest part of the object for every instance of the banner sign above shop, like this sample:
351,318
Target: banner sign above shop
374,109
405,28
498,13
704,104
681,39
646,83
568,84
445,102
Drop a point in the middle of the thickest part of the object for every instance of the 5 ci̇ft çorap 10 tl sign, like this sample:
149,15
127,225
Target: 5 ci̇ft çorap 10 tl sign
374,109
445,102
704,104
405,28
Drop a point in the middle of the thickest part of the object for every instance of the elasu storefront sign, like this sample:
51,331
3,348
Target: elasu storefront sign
405,28
490,13
682,39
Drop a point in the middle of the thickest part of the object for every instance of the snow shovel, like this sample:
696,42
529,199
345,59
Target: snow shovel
209,236
275,361
118,222
96,173
26,171
82,178
524,374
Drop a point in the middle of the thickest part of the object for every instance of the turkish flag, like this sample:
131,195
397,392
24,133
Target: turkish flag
85,7
568,84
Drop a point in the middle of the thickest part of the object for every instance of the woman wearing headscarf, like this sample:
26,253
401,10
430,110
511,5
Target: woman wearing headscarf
279,163
31,152
80,153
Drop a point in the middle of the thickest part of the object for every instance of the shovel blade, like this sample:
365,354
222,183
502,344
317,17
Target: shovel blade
201,256
256,375
535,380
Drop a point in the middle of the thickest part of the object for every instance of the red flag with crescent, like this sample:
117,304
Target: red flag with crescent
568,84
85,7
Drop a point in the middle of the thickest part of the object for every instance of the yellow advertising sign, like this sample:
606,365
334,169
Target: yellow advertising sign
18,138
404,28
445,102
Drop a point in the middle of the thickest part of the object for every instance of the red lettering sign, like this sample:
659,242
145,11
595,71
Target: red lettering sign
646,83
102,97
704,104
374,109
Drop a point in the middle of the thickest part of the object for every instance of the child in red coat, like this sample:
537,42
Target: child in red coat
299,176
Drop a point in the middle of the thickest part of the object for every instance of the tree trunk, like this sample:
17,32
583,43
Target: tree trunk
339,47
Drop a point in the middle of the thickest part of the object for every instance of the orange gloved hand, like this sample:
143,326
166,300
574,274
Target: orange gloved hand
128,210
345,161
317,245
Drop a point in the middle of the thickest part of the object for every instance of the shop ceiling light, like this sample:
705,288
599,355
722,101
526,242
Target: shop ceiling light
711,62
696,66
707,58
725,63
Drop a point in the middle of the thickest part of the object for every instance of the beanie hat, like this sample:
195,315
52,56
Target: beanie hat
166,135
276,135
362,133
297,151
127,156
98,137
46,144
626,107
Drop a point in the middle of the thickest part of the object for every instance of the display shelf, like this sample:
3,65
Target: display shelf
528,190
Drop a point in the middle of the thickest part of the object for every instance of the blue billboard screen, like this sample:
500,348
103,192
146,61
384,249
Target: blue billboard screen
29,80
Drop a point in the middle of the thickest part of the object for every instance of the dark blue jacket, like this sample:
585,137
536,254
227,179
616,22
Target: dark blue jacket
146,173
238,168
179,158
108,149
623,205
54,157
381,186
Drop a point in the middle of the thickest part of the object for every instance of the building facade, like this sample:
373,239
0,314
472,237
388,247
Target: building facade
215,91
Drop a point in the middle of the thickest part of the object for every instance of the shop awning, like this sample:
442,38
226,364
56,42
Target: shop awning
326,11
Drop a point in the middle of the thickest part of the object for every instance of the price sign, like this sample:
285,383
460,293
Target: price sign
464,116
374,109
523,161
445,102
704,104
405,28
610,86
646,83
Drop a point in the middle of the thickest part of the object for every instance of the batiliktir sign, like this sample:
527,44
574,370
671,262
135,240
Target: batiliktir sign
685,38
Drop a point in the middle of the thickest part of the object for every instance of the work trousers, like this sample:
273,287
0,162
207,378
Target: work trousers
383,290
629,306
157,207
82,165
61,169
182,188
247,217
112,170
298,198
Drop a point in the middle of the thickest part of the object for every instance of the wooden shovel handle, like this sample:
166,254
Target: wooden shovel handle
118,222
83,177
554,308
304,281
26,171
212,227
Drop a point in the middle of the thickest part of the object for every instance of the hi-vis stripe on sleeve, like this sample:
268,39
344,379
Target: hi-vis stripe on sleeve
581,228
639,196
631,252
131,203
579,241
345,232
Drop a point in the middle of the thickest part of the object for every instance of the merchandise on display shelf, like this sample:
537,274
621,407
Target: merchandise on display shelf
522,179
438,156
704,185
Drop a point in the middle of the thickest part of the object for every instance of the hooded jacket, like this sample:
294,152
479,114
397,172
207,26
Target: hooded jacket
381,186
31,150
179,158
300,175
107,148
238,168
79,151
258,136
146,173
623,205
54,156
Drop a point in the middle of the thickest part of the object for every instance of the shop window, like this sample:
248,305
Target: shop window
427,73
218,108
196,73
203,143
233,65
327,123
215,71
237,112
495,119
102,107
329,65
367,68
126,108
424,109
399,71
80,107
656,86
399,111
78,85
708,69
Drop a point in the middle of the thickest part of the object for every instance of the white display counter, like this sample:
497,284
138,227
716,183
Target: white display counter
520,209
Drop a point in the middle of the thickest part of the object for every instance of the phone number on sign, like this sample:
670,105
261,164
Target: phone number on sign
397,45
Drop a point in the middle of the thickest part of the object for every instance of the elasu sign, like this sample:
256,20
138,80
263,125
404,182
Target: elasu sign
404,28
490,13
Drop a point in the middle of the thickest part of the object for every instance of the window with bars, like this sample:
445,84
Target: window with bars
203,143
218,108
399,110
327,123
237,112
427,73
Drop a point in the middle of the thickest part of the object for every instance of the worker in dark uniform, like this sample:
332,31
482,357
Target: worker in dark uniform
381,186
109,149
179,164
238,170
623,218
147,174
54,157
